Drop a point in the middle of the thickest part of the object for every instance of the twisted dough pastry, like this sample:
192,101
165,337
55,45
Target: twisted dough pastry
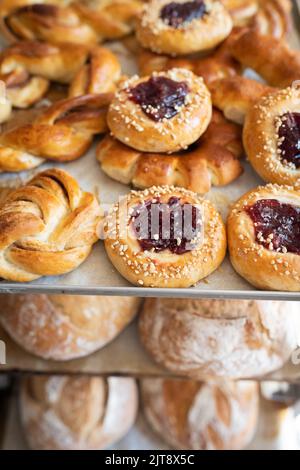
80,22
48,227
62,132
269,57
27,68
76,413
212,161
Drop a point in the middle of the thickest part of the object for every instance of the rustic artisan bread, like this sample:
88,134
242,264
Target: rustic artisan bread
76,413
201,416
234,339
63,327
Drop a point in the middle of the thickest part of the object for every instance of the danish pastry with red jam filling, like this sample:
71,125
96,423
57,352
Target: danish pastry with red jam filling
272,136
264,238
165,237
183,26
164,112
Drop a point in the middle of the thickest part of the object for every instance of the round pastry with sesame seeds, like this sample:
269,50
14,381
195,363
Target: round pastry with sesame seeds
164,112
183,26
164,237
272,136
264,237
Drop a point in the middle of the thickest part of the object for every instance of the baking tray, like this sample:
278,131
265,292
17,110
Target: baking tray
97,276
125,356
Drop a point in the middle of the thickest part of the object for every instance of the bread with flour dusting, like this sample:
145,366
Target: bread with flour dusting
236,339
76,413
201,416
63,327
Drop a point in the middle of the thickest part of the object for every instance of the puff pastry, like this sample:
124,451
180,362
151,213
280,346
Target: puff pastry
76,413
80,22
263,236
271,136
269,57
214,160
182,27
205,339
162,113
164,237
28,67
62,132
201,416
48,227
86,323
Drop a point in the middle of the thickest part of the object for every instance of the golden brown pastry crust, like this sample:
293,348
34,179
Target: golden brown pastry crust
129,124
64,327
48,227
212,161
201,416
269,57
28,67
261,139
61,132
235,95
79,22
205,339
197,35
263,268
163,269
217,65
76,413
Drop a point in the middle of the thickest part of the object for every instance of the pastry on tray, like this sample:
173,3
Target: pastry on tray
205,339
164,112
182,27
264,237
48,227
61,132
201,416
272,136
86,323
164,237
76,413
213,160
79,22
28,67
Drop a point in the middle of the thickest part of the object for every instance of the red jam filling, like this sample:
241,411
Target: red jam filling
176,14
167,226
277,225
160,97
289,138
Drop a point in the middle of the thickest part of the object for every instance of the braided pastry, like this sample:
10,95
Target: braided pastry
241,11
217,65
235,95
28,67
48,227
211,161
62,132
80,22
76,413
269,57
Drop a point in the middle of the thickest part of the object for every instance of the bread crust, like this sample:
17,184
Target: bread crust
214,160
201,416
198,35
76,413
48,227
262,267
60,327
129,124
163,269
202,339
261,139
